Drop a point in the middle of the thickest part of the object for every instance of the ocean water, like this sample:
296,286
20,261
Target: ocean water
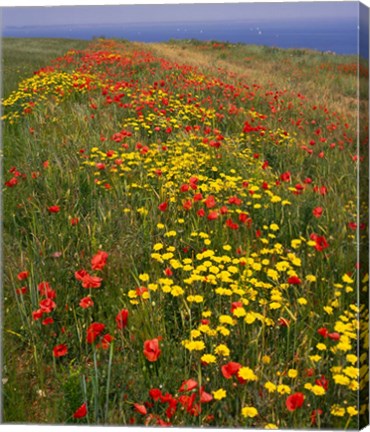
340,37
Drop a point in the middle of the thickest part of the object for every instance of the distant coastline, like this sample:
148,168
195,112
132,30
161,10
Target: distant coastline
339,37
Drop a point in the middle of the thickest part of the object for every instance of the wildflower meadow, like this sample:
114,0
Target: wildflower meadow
184,238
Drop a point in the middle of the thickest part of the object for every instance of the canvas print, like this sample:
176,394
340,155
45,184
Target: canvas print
185,215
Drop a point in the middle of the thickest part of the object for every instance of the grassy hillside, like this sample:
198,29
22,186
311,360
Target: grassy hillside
180,225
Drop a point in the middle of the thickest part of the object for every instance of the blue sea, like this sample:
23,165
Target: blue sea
340,37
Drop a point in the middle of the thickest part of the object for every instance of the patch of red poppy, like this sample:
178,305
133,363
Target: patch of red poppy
294,401
151,349
99,260
60,350
121,319
80,412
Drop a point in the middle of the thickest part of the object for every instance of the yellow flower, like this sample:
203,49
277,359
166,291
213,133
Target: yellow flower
270,387
158,247
208,358
321,347
302,301
347,279
318,390
247,374
351,371
223,350
337,411
266,359
315,358
283,389
341,379
292,373
352,411
219,394
295,243
311,278
249,412
274,227
271,426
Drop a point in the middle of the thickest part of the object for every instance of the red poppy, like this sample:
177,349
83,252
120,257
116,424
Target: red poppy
317,211
230,369
79,274
94,330
60,350
140,409
320,241
212,215
155,394
86,302
54,209
151,350
91,281
21,291
210,201
294,401
285,176
188,385
204,396
235,305
47,305
12,182
99,260
36,315
47,321
294,280
198,197
163,206
314,415
74,221
23,275
323,331
121,319
334,336
201,213
322,382
80,412
105,341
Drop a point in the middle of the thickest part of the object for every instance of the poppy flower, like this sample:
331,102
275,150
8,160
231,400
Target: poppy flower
105,341
151,350
204,396
121,319
163,206
294,280
54,209
60,350
99,260
74,221
230,369
21,291
323,331
86,302
89,281
23,275
155,394
36,315
334,336
47,321
320,241
79,274
294,401
140,409
322,382
285,176
212,215
94,330
315,413
47,305
80,412
317,212
188,385
210,201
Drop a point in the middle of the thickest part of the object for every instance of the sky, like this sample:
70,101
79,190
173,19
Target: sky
113,14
